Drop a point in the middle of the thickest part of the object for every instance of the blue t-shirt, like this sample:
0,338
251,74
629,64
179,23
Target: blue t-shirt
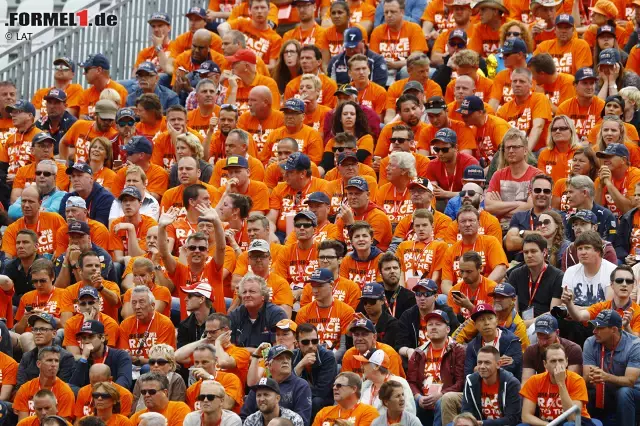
627,354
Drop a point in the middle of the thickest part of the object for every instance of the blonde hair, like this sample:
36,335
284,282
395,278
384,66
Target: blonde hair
165,351
106,144
136,169
193,143
111,95
574,142
112,391
466,58
524,29
623,132
512,133
632,93
316,80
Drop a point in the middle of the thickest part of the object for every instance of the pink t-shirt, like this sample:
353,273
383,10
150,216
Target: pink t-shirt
436,172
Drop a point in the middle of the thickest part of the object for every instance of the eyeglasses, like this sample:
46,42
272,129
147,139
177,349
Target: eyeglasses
87,303
259,256
208,397
469,192
198,248
458,45
513,34
61,68
545,222
325,258
307,342
303,225
149,392
627,281
513,147
100,395
424,293
41,329
45,174
290,52
560,129
229,106
125,123
442,150
161,362
398,140
338,148
211,332
545,191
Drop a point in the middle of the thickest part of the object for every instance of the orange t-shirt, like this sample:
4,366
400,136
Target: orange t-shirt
242,264
560,191
175,413
279,290
164,153
383,145
266,44
16,151
374,96
480,295
363,170
326,98
487,246
365,143
120,239
489,136
242,95
632,134
337,193
546,395
74,324
105,177
315,119
212,273
489,225
584,118
73,92
398,45
150,131
331,322
626,186
173,198
380,223
150,54
242,11
159,292
258,130
344,290
257,191
483,90
361,415
501,89
283,199
594,310
242,358
6,129
633,62
232,387
622,34
219,175
421,259
58,301
309,143
349,363
313,36
137,339
46,227
441,223
91,96
179,231
360,272
80,135
435,13
334,40
484,40
157,180
8,370
569,58
26,175
555,163
97,231
183,42
107,308
521,116
431,88
466,138
489,401
199,122
394,203
560,90
296,265
24,397
328,231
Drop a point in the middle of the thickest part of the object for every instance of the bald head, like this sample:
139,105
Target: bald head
31,191
260,102
202,36
99,373
464,86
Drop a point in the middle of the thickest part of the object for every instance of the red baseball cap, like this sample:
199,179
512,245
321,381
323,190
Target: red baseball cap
243,55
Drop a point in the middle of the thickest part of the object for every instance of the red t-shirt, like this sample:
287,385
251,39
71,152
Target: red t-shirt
436,172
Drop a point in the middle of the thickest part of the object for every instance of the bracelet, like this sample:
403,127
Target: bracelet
255,356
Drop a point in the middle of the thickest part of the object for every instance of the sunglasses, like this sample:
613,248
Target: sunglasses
469,192
513,34
198,248
545,191
160,362
339,386
338,148
45,174
124,123
208,397
424,293
307,342
87,303
150,392
442,150
545,222
398,140
100,395
560,129
86,70
627,281
303,225
458,45
370,301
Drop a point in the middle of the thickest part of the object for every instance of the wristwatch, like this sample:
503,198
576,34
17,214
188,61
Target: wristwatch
158,49
521,233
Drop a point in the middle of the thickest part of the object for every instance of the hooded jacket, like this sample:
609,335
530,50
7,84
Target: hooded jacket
622,243
508,398
410,325
451,368
509,345
375,252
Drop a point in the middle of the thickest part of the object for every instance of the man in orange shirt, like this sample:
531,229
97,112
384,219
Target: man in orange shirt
238,182
616,180
464,86
96,72
197,17
16,150
409,113
139,152
585,107
188,174
467,62
154,388
187,214
485,37
307,32
514,52
490,129
528,112
361,264
45,406
556,85
128,233
570,53
346,393
260,119
369,93
243,66
473,289
159,52
236,144
472,194
63,75
215,144
436,109
235,40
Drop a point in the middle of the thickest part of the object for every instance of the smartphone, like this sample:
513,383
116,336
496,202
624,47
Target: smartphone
457,294
28,308
117,163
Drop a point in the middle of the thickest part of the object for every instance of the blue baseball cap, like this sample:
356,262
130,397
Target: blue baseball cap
503,289
459,34
91,326
426,284
297,161
78,227
614,149
96,60
64,60
357,182
22,105
139,144
160,17
43,316
207,67
606,29
197,11
446,135
321,276
88,291
318,197
130,191
147,67
584,215
609,57
126,113
236,161
514,45
42,137
352,37
585,73
307,214
278,350
470,104
565,19
437,314
373,291
607,318
57,94
363,324
546,324
79,166
347,155
474,173
293,104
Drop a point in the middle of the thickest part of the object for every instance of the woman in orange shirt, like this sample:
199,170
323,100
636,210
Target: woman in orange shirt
101,161
584,162
106,402
349,118
562,141
288,65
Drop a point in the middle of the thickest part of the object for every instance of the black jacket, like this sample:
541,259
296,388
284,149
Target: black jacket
509,345
244,333
189,330
443,73
508,399
622,243
28,369
338,69
118,360
323,372
65,124
410,326
98,202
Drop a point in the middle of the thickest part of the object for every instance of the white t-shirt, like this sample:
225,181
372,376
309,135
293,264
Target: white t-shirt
588,291
229,418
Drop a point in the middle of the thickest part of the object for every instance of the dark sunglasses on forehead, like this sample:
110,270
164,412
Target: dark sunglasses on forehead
545,191
42,173
442,150
469,192
628,281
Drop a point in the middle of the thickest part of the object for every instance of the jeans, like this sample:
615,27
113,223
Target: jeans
625,403
585,422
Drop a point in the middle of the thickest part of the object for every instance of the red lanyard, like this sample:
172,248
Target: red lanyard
439,364
610,359
350,411
374,394
47,302
300,268
533,287
446,175
391,304
495,341
106,352
368,269
364,93
308,39
475,296
238,236
328,316
37,225
145,334
532,224
202,419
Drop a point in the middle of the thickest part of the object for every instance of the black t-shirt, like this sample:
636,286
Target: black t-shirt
550,287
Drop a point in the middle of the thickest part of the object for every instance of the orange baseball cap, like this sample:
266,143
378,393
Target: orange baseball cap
285,324
379,358
606,8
